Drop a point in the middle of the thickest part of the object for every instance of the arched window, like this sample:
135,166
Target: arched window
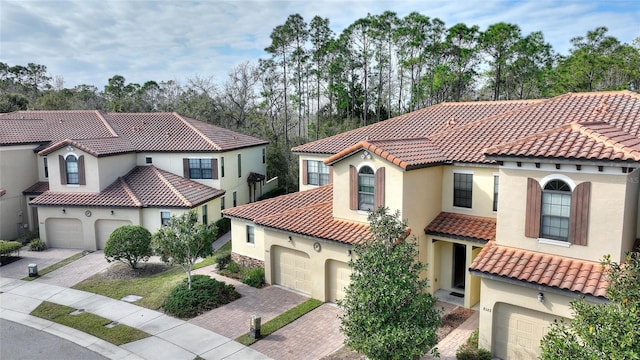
73,176
556,210
366,188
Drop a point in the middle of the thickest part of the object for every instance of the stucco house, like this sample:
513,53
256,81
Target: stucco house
512,203
78,175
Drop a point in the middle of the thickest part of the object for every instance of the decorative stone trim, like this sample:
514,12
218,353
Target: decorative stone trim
246,261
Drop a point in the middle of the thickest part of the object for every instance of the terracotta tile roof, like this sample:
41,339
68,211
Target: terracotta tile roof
580,276
416,124
306,213
96,147
407,154
467,226
112,133
37,188
460,132
591,141
144,186
2,192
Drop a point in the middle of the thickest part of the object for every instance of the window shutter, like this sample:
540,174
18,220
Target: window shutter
330,174
304,172
82,179
185,168
214,168
532,217
63,170
378,194
353,188
579,214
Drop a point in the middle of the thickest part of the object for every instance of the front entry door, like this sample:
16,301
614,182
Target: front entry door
459,265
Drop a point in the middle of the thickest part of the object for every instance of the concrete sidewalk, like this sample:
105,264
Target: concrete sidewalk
171,338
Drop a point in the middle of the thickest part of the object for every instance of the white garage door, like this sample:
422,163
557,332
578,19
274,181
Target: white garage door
104,228
292,269
518,331
64,233
338,278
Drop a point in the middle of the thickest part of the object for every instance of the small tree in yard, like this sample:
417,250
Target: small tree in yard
386,313
183,240
129,244
602,331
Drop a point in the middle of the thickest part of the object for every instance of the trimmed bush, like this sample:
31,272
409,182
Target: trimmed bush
129,244
223,260
470,350
7,247
28,236
37,245
233,267
254,277
205,294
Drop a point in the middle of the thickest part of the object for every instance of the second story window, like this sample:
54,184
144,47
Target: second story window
264,156
239,165
462,190
46,167
222,166
496,182
235,199
72,173
200,169
164,217
317,173
366,188
556,210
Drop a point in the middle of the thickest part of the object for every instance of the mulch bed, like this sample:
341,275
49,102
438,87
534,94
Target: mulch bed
121,271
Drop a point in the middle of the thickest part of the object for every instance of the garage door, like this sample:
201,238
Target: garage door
292,269
338,278
64,233
518,331
104,228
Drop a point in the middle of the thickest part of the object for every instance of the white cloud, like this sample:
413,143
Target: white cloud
90,41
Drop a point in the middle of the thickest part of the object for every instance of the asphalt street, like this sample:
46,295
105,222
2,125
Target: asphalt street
25,343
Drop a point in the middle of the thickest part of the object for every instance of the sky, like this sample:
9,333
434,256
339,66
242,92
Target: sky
90,41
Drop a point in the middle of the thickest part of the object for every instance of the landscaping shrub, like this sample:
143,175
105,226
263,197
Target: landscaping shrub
470,350
224,226
28,236
233,267
223,260
205,294
7,247
130,244
254,277
37,245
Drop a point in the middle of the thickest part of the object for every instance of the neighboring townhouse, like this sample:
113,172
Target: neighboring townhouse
512,204
78,175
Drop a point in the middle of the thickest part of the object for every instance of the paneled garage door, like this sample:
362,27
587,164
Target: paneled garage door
338,278
518,331
104,228
64,233
291,269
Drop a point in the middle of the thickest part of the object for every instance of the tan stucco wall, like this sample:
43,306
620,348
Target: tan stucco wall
239,240
610,228
330,250
88,222
18,171
111,167
494,292
482,193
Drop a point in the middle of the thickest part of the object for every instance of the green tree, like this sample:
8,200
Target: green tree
602,331
387,313
129,244
498,42
183,240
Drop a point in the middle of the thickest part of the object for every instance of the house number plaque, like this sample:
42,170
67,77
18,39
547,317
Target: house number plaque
87,213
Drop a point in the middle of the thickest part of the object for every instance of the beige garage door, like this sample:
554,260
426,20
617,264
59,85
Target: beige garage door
338,278
518,331
104,228
64,233
291,269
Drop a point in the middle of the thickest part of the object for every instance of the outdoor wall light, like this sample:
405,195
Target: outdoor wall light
64,211
289,240
349,253
540,297
365,155
69,148
112,212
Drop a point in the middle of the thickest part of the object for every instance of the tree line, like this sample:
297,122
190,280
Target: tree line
313,83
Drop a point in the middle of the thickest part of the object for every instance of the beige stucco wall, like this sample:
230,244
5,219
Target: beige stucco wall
239,239
495,292
612,213
330,250
482,193
18,171
110,168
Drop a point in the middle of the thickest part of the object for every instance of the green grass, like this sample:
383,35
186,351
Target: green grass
153,289
89,323
209,260
281,320
55,266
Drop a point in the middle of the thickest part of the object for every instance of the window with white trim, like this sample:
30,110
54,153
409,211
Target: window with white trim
71,164
555,210
496,183
164,217
462,190
366,188
317,173
250,235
